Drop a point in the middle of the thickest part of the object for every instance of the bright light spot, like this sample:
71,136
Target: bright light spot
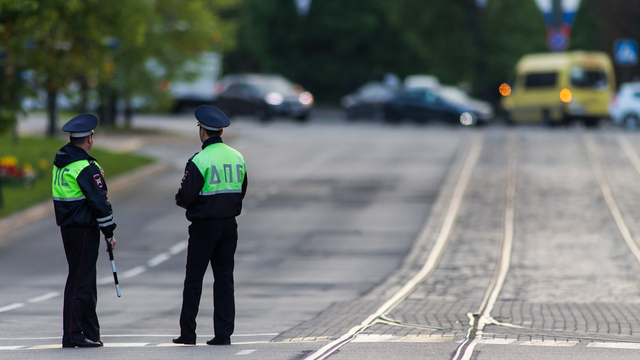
505,89
274,98
306,98
565,95
467,119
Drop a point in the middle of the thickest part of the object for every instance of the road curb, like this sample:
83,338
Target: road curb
116,185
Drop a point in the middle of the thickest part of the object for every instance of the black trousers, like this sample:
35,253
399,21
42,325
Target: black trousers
79,316
210,241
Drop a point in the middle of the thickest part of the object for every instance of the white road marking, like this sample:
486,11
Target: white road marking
119,345
245,352
550,343
44,297
496,341
158,259
11,307
45,347
10,347
430,264
133,272
179,247
105,280
371,338
614,345
427,338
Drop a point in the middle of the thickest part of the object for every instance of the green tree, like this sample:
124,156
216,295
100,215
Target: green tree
442,35
600,22
337,45
510,29
107,42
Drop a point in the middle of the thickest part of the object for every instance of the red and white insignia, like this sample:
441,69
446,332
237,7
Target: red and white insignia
98,179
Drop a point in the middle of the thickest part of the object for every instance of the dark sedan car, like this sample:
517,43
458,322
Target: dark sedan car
368,101
264,96
426,104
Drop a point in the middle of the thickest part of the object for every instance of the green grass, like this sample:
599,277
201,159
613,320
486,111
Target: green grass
35,150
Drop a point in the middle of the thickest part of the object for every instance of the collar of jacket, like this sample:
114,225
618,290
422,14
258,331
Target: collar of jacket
211,140
69,154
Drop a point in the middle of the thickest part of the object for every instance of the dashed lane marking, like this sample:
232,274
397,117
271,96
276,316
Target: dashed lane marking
245,352
615,345
371,338
155,261
133,272
158,259
496,341
550,343
44,297
11,307
119,345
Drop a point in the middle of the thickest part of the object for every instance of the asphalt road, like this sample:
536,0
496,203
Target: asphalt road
366,240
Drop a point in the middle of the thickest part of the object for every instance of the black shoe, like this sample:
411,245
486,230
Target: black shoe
219,341
84,343
181,340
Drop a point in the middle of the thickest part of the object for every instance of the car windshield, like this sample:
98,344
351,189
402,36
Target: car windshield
373,91
267,85
588,78
538,80
454,95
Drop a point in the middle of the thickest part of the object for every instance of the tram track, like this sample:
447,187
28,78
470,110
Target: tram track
432,261
483,317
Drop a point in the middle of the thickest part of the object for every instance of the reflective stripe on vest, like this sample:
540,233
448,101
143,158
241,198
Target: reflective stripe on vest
65,185
222,168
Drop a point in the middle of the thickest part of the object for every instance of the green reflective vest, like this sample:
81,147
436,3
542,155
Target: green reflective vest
222,168
65,185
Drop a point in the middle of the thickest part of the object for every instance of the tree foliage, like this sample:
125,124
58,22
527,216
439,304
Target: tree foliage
109,42
340,43
600,22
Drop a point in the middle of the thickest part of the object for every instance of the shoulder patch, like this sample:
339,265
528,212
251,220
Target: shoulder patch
98,179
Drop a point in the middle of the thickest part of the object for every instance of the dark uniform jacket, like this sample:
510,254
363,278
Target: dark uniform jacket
93,211
201,207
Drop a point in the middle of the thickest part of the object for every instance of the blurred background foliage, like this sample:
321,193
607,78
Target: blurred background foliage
103,44
106,45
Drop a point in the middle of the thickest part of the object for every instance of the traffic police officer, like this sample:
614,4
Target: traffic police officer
82,211
212,190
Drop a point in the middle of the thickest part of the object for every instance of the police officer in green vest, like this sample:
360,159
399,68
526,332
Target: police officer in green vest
82,211
212,190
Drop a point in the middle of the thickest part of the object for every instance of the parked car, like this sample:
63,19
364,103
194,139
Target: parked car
264,96
426,104
624,108
421,81
368,101
482,109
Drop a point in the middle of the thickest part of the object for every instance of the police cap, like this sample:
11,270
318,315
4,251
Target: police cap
81,125
211,118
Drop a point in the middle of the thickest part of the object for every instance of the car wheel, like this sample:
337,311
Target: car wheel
631,122
546,118
392,116
591,122
264,114
302,117
349,114
508,119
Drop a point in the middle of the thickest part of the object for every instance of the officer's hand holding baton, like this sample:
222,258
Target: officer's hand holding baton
111,244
